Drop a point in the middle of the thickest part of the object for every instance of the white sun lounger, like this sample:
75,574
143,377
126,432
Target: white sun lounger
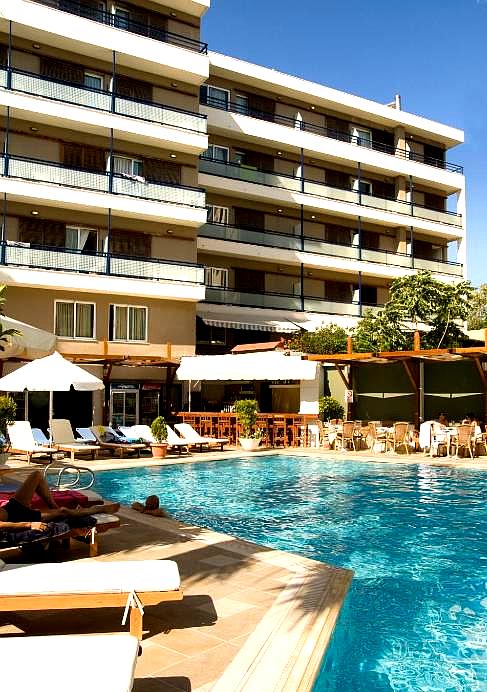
145,433
22,441
26,662
191,437
90,584
64,440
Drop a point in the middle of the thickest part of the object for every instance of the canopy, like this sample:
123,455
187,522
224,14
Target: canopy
30,343
246,318
50,374
246,367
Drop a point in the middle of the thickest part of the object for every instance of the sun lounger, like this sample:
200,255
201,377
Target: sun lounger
112,658
22,441
91,584
145,433
191,437
96,431
64,440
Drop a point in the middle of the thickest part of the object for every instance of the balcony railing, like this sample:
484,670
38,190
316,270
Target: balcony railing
317,189
283,301
126,23
339,135
113,183
97,99
273,239
102,263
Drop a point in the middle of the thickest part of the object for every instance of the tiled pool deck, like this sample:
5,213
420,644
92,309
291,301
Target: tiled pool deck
252,618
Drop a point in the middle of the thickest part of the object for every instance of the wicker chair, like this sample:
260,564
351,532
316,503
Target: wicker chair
465,438
376,438
347,434
399,437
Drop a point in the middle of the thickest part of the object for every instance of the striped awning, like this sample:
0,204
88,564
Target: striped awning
249,322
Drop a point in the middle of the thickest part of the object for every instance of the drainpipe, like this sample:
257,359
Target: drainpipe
9,57
421,391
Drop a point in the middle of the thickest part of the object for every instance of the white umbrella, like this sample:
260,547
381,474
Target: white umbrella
50,374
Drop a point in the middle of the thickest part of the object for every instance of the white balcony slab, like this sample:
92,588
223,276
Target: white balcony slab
194,7
43,24
346,263
275,136
94,118
341,205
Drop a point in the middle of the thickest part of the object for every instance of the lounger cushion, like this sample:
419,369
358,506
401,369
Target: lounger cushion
89,577
59,662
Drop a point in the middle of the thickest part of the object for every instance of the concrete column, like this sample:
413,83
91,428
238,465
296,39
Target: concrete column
400,138
402,237
462,242
402,188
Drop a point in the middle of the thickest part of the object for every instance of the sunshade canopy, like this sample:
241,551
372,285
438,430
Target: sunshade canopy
50,374
30,343
246,367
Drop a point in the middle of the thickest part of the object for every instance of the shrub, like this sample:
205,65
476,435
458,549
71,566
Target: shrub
159,429
330,408
247,410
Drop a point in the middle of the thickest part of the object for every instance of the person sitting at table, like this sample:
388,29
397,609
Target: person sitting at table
443,420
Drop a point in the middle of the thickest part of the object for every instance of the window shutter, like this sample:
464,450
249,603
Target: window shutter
130,243
133,88
3,55
263,106
42,232
159,171
249,218
337,179
62,70
79,156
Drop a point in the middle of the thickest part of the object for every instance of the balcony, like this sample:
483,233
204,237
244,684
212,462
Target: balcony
175,202
110,19
283,301
337,135
99,100
273,239
317,189
61,267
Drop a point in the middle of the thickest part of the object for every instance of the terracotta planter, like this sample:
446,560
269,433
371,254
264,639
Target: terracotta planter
159,450
250,444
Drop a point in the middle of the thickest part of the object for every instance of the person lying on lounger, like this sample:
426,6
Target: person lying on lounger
20,523
150,506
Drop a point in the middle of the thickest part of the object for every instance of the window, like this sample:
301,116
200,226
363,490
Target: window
213,96
93,81
362,186
122,17
128,323
74,320
362,137
217,153
83,239
123,165
216,277
242,104
218,215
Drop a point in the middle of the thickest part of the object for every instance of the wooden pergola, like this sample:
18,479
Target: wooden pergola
411,361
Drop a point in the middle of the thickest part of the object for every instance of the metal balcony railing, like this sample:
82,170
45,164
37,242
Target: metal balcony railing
102,263
97,14
273,239
130,186
283,301
97,99
341,136
250,174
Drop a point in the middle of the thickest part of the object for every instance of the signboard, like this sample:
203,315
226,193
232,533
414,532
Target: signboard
349,396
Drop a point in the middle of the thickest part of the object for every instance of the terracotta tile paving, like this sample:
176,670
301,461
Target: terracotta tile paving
230,587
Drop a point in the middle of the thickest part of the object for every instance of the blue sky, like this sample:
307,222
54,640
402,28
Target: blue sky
432,52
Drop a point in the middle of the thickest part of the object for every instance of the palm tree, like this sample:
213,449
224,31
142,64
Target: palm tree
5,333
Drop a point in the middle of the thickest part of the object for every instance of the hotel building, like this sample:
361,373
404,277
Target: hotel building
159,200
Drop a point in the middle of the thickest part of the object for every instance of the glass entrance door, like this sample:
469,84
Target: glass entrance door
124,407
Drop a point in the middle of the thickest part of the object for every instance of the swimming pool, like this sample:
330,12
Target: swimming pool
416,536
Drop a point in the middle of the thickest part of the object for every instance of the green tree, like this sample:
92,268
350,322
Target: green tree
326,340
381,331
477,314
440,306
5,333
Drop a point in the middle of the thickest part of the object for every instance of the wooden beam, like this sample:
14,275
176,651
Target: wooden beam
483,378
344,379
410,375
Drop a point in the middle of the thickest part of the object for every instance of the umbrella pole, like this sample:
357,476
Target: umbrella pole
189,397
51,397
26,404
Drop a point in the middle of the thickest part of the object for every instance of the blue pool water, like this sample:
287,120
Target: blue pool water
416,615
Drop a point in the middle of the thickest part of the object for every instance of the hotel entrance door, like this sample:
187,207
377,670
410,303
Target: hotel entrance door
124,405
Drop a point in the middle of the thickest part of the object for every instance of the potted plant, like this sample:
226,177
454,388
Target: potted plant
8,409
330,408
159,431
247,410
